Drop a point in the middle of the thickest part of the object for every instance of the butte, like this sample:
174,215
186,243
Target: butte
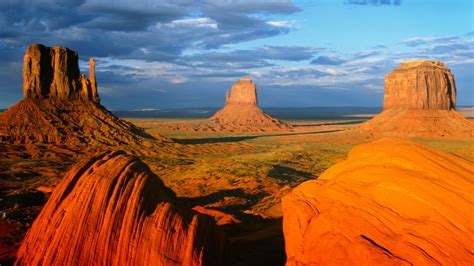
61,107
420,101
241,112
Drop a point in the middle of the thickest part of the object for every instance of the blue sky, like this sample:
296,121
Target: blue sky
186,53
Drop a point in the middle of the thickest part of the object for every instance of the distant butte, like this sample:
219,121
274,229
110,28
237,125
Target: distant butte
241,111
420,100
62,107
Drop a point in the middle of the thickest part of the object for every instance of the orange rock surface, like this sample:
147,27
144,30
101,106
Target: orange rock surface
419,101
62,107
421,84
110,209
391,202
53,72
241,112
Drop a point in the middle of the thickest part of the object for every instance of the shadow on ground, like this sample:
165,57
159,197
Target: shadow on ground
244,138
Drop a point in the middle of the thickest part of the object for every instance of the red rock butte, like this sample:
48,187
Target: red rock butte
420,84
241,111
420,101
53,72
61,106
110,209
391,202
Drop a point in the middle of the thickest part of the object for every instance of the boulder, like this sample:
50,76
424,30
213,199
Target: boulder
110,209
391,202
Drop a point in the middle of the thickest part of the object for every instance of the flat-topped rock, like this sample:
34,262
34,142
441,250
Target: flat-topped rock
420,84
244,92
53,72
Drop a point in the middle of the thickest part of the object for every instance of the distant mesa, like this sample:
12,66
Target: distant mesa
61,106
420,84
110,209
241,111
420,100
391,202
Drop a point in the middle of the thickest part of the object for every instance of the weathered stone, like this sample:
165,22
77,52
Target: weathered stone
241,112
391,202
421,84
53,72
110,209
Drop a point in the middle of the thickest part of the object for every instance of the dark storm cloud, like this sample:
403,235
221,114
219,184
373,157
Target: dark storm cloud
374,2
327,60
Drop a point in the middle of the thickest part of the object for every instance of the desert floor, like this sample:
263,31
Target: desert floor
243,176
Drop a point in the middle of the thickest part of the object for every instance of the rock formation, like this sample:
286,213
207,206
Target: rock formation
110,209
241,112
420,84
391,202
61,106
419,100
53,72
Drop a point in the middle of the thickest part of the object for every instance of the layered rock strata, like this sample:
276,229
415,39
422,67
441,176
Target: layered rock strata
110,209
419,101
391,202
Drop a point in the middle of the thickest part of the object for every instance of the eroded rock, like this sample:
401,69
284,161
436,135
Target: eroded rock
391,202
110,209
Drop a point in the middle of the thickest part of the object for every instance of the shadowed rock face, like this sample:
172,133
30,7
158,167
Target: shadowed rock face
421,84
110,209
241,112
391,202
53,72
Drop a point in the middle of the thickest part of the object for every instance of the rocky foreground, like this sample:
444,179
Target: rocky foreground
391,202
110,209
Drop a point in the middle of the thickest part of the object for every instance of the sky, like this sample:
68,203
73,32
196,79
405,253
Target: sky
186,53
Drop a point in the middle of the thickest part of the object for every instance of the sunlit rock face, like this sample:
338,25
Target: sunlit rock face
419,101
110,209
61,106
391,202
241,112
421,84
53,72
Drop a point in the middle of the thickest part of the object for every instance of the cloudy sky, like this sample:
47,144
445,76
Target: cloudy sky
186,53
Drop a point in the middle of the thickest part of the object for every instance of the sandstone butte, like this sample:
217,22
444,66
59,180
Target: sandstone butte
391,202
241,111
62,106
419,100
110,209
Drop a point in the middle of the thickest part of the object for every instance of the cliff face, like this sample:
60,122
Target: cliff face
420,84
244,92
110,209
386,204
241,113
53,72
